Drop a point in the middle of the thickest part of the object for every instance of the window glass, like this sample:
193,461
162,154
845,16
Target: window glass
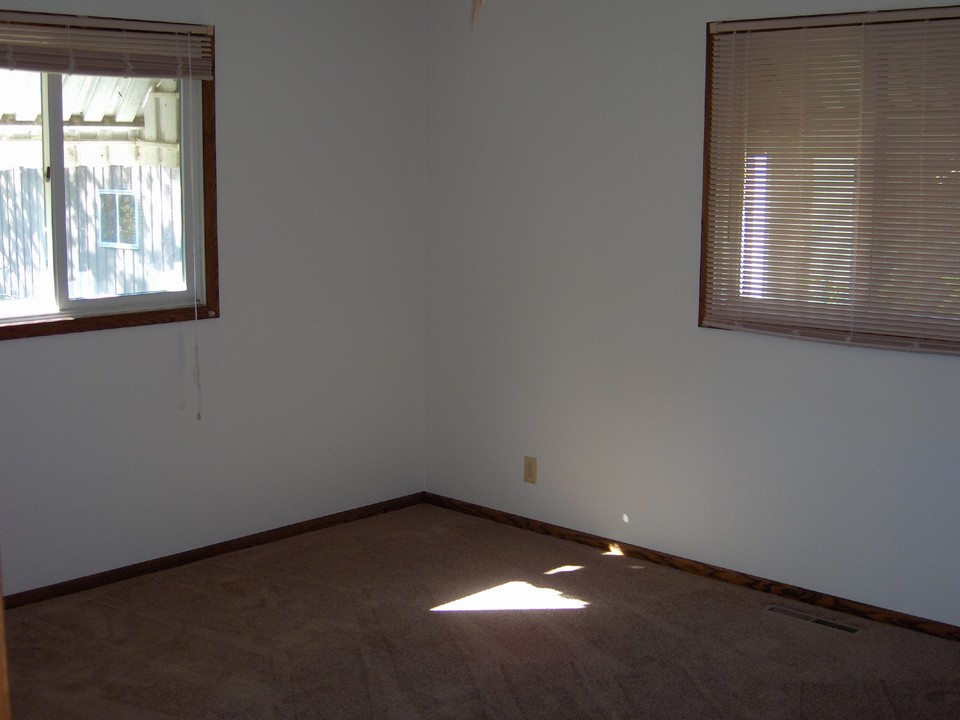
122,189
26,283
831,200
107,174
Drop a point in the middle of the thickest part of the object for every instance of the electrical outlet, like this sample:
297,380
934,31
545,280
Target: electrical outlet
529,469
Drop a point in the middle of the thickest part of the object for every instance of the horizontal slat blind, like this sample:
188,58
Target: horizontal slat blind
104,46
832,195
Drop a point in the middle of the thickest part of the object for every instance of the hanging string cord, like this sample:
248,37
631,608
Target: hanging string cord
475,15
196,373
192,169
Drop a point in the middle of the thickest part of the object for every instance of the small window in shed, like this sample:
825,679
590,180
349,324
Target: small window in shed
119,220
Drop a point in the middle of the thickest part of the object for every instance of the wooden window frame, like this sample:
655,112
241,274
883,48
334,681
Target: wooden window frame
142,63
740,118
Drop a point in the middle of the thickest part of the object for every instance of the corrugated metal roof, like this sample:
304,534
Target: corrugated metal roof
86,98
95,98
107,120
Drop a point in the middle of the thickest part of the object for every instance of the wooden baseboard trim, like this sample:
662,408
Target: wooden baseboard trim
4,675
170,561
849,607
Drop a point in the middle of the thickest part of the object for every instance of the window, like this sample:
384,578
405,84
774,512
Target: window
107,174
832,179
119,221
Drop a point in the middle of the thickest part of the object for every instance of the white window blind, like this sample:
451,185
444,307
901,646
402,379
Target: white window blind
104,46
832,185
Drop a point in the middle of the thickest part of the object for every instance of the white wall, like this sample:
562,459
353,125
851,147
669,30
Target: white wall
313,379
562,239
564,182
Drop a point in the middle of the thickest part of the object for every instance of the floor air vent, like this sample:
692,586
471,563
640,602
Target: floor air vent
797,615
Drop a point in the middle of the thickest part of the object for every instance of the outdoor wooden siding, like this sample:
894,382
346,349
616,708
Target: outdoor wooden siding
23,250
104,270
118,271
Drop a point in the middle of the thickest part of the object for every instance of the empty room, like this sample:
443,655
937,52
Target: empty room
354,315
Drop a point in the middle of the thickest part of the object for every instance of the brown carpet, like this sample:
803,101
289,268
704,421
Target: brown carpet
338,624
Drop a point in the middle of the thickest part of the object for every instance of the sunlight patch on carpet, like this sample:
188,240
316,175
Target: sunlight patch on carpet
564,569
515,595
